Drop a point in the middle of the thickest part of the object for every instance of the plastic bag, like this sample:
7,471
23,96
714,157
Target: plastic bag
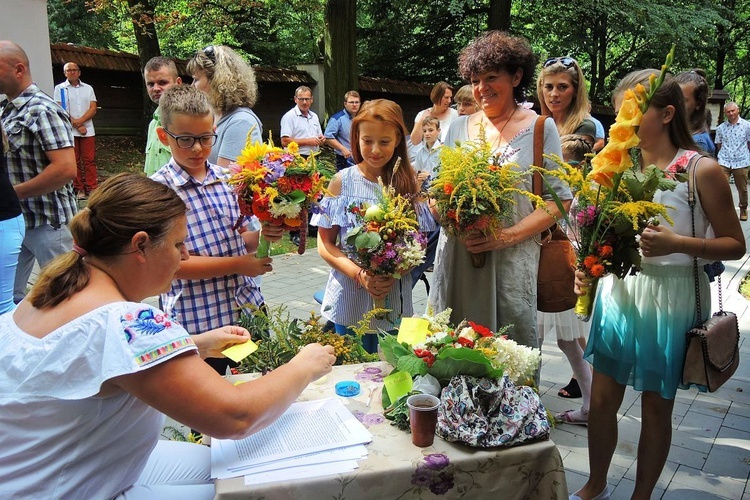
426,384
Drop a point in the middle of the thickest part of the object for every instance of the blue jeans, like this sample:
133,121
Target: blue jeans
342,163
11,238
41,244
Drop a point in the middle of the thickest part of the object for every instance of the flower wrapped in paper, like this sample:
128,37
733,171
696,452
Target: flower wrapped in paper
278,186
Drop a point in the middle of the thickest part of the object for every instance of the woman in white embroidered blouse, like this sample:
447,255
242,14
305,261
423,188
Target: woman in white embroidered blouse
97,368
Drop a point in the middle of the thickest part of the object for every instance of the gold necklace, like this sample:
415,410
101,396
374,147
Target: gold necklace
499,137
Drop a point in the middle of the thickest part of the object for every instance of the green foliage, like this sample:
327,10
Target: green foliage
280,337
398,412
420,41
73,21
452,360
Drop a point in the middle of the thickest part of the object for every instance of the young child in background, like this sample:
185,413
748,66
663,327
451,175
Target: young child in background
428,153
211,287
571,332
465,103
427,164
378,141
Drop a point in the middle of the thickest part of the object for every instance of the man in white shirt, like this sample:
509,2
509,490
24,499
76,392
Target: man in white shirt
301,125
733,151
78,100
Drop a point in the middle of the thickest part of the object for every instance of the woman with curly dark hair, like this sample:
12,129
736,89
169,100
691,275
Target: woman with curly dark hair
500,68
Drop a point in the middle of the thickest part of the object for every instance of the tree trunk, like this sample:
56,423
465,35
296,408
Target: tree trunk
142,17
499,15
341,74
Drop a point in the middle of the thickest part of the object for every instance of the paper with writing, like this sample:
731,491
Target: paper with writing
397,384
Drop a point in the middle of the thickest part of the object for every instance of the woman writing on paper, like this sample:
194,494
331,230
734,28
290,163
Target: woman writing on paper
97,368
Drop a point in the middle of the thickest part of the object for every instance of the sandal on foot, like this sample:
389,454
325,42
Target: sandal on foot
570,391
604,495
567,417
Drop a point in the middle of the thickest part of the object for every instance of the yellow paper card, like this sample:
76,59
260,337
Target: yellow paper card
413,330
240,351
397,385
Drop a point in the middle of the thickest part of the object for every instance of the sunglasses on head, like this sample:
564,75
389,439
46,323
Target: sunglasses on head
568,62
210,53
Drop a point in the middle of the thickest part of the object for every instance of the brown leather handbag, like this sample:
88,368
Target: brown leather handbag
713,353
557,258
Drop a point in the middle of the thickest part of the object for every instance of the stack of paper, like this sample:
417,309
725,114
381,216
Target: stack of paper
312,438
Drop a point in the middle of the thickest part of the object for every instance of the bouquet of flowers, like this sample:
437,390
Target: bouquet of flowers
474,190
468,349
614,202
386,240
277,186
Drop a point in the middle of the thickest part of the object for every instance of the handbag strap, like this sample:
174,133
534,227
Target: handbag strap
692,169
536,181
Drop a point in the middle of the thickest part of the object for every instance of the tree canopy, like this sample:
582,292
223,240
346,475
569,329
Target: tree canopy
420,41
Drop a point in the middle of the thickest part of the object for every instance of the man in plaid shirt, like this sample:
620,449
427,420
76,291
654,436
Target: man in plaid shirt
41,163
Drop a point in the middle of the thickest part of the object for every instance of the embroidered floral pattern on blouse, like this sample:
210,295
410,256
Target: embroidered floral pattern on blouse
679,167
144,322
154,354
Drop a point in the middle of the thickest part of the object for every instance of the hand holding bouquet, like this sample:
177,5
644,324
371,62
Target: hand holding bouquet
277,186
386,241
474,191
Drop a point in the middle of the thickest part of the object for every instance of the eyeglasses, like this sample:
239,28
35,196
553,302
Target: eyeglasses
352,102
568,62
72,70
187,141
210,52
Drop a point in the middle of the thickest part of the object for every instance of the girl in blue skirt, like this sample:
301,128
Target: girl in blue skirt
639,323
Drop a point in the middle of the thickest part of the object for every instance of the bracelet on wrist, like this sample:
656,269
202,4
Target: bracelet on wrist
357,279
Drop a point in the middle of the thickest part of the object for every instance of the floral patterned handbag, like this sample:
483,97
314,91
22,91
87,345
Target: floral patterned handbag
487,412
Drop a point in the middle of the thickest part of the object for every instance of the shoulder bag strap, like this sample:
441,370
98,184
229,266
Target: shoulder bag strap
536,182
692,169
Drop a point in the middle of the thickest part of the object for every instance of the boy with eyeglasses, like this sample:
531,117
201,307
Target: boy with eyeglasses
212,287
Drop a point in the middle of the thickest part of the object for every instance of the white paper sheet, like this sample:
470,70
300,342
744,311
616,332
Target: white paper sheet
302,472
357,452
306,427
